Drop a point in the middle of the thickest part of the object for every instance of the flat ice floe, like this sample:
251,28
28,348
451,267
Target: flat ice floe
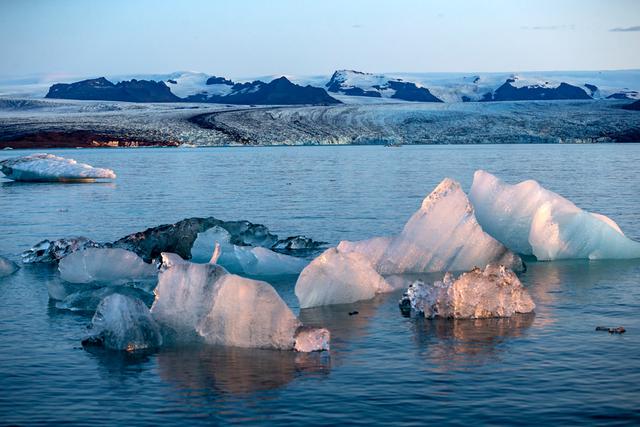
443,235
123,323
43,167
205,301
492,292
251,260
104,265
532,220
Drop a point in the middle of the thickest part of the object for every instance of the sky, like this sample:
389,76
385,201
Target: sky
239,38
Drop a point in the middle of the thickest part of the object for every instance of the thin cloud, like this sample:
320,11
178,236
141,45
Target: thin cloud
356,26
625,29
550,27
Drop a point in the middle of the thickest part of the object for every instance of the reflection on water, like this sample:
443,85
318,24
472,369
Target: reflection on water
451,343
209,370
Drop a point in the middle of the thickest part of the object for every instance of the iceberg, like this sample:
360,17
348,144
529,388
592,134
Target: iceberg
49,168
87,300
443,235
478,294
7,267
50,252
123,323
337,277
254,261
206,302
532,220
105,265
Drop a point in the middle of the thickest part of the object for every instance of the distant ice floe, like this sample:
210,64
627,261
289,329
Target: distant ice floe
205,301
443,235
112,265
532,220
477,294
251,260
49,168
123,323
7,267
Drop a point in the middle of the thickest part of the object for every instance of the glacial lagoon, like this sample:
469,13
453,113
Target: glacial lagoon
549,366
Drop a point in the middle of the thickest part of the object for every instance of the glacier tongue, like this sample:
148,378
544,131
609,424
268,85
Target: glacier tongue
104,265
205,302
443,235
123,323
47,167
492,292
532,220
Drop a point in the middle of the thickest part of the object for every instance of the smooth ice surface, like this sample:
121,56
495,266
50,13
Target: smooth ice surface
7,267
123,323
532,220
47,167
337,277
443,235
251,260
492,292
87,299
207,302
104,265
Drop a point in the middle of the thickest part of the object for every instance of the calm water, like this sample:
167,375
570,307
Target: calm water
383,368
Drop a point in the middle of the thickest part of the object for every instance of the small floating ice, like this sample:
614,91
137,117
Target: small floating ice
205,301
123,323
49,168
7,267
492,292
52,251
254,261
443,235
336,277
532,220
105,265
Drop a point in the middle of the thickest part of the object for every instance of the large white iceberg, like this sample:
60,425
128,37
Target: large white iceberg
105,265
123,323
205,301
47,167
337,277
251,260
492,292
443,235
532,220
7,267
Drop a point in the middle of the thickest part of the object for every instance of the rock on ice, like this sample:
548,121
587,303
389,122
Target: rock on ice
47,167
104,265
255,261
123,323
532,220
336,277
7,267
443,235
492,292
205,301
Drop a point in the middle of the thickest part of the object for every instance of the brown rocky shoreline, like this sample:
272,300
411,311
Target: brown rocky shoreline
78,139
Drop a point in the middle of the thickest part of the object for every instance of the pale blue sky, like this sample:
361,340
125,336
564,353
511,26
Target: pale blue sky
251,37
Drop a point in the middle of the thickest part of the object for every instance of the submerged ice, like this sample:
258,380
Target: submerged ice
207,302
47,167
123,323
532,220
492,292
7,267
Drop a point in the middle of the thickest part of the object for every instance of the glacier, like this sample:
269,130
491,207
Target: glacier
532,220
7,267
42,167
477,294
205,302
112,265
123,323
251,260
